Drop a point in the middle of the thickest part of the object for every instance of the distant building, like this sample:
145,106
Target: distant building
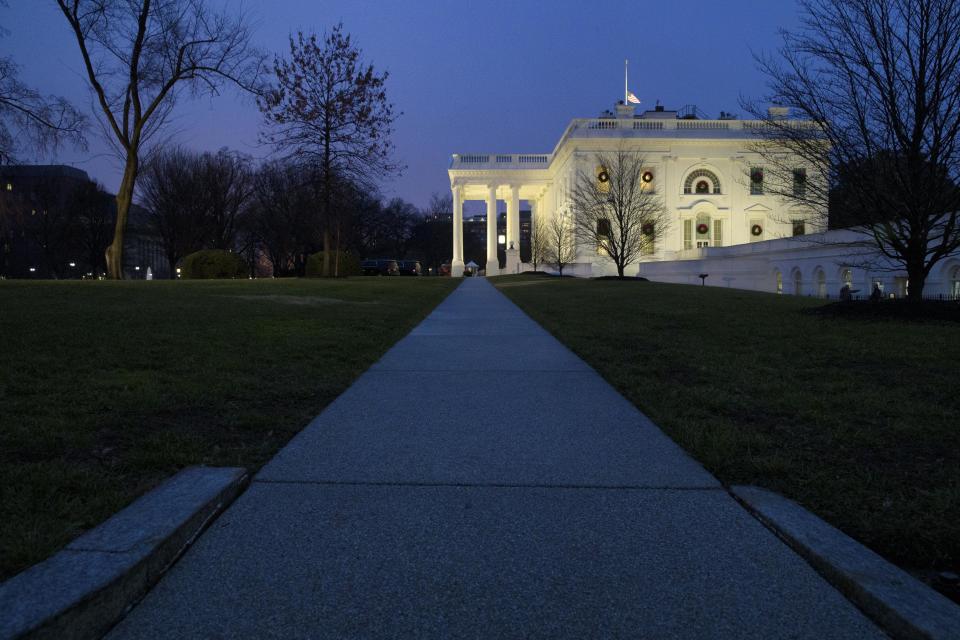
42,235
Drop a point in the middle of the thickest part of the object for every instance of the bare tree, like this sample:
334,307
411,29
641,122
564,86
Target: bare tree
30,119
440,206
616,209
539,240
329,109
170,192
93,208
139,56
282,217
224,187
879,82
561,242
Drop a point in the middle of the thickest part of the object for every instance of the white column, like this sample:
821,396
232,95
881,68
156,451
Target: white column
513,217
456,265
493,265
512,246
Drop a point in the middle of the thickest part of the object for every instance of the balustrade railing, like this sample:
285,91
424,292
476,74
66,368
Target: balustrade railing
502,160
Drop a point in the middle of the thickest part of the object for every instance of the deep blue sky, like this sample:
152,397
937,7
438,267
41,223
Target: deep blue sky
468,76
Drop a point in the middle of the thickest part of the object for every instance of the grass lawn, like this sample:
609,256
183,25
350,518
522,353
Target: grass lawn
857,419
106,388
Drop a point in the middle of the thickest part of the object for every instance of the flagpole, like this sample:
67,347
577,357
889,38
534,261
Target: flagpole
625,81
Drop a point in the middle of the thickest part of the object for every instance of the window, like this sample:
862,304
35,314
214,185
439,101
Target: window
710,180
688,234
9,186
718,233
799,227
799,182
756,230
648,248
779,282
756,181
603,227
955,283
603,179
797,283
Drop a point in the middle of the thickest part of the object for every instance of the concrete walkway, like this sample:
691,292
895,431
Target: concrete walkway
481,481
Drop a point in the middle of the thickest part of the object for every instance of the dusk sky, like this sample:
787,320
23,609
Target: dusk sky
468,76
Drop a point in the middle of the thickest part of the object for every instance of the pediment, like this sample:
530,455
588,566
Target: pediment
758,208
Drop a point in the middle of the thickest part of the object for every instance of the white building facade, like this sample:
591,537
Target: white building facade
705,170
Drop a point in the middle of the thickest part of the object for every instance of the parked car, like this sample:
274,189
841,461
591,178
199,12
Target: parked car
380,268
409,267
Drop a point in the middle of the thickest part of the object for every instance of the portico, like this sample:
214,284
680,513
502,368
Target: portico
506,186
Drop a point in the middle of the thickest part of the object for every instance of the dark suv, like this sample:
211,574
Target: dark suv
409,267
380,268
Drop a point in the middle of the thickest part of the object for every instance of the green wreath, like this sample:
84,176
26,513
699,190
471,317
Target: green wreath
756,230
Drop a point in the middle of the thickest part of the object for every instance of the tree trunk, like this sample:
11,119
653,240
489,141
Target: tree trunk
336,262
916,278
620,269
326,252
114,254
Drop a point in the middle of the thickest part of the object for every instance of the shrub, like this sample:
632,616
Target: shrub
349,264
213,263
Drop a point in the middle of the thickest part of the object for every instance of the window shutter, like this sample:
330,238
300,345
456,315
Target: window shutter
688,234
718,233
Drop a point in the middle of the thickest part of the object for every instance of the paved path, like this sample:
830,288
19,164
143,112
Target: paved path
481,481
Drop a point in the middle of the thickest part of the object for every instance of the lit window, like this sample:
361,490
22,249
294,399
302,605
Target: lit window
9,186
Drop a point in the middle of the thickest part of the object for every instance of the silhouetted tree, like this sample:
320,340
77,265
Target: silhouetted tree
139,56
330,110
31,120
170,193
879,82
94,210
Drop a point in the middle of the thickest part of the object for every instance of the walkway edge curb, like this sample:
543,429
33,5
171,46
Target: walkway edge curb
900,604
84,589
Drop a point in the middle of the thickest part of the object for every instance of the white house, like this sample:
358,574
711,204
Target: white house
710,177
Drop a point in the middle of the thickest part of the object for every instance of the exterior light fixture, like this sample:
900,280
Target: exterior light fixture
73,265
603,176
647,176
137,268
501,239
33,269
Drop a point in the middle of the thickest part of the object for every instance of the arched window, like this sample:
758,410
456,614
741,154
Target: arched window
779,279
797,283
821,284
702,177
955,283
